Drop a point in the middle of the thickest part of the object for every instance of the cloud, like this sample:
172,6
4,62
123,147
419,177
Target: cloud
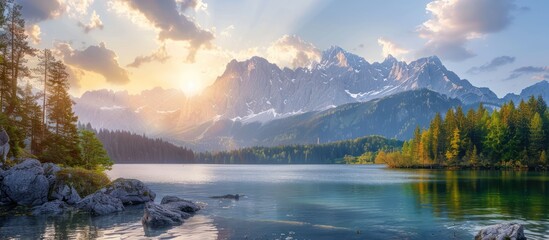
34,33
197,5
161,55
528,70
98,59
35,11
390,48
173,24
492,65
227,31
292,51
454,22
95,23
39,10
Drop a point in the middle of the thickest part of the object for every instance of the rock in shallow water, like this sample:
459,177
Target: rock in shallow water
25,183
130,191
503,231
55,207
171,211
100,203
156,216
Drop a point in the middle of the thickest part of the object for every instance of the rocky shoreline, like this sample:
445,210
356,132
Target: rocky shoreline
35,188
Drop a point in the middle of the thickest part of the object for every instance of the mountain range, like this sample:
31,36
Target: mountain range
257,102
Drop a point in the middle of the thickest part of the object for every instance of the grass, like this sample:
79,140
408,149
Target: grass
84,181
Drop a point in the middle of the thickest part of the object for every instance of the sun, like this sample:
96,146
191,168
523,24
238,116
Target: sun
190,87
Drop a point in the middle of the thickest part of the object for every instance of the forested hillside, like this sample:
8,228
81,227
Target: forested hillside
305,154
126,147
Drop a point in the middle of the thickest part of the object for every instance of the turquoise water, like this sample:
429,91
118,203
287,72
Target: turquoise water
316,202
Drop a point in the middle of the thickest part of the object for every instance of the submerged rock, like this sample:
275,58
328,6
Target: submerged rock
66,193
55,207
171,211
25,183
503,231
228,196
100,203
130,191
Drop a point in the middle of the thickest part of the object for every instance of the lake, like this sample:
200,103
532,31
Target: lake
290,202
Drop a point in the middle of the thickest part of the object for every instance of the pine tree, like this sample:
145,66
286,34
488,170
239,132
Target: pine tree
94,155
453,152
31,118
536,135
64,136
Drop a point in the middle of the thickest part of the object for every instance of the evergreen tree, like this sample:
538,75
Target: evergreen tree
536,136
94,155
61,119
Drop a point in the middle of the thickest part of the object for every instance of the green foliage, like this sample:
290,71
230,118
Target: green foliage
357,151
511,137
84,181
94,155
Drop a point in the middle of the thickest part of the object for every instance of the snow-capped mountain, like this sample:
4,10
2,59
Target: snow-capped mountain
256,90
149,112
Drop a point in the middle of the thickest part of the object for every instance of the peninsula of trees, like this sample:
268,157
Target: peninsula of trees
513,136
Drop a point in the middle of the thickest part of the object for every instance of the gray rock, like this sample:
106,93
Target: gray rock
503,231
55,207
156,216
66,193
171,211
4,145
184,208
25,183
228,196
4,199
169,199
50,171
100,203
130,191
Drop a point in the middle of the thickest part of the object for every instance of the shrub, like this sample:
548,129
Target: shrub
84,181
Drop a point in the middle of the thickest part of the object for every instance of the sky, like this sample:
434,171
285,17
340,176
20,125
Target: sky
136,45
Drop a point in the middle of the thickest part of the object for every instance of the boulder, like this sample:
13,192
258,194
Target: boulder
100,203
130,191
25,183
64,192
4,199
172,211
55,207
157,216
184,207
503,231
50,171
4,145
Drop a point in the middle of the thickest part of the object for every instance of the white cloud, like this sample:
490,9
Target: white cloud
95,23
291,51
34,33
227,31
454,22
161,55
390,48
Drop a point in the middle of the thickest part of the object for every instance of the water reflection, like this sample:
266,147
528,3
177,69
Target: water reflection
315,202
487,197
